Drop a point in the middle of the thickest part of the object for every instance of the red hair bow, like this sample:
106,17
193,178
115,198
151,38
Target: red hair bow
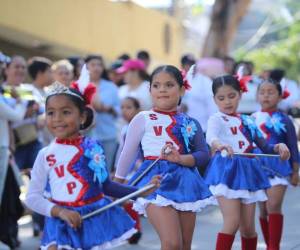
88,93
243,82
285,94
186,83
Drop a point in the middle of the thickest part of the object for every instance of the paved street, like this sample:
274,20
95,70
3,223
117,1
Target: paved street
208,224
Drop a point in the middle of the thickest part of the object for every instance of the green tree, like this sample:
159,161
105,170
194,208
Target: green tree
284,54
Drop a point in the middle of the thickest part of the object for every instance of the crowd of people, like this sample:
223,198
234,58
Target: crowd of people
137,115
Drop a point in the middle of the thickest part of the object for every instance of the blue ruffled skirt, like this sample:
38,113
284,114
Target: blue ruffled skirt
101,231
276,169
182,187
237,177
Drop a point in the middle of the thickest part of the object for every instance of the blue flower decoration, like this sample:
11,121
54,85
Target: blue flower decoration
188,130
275,122
97,162
249,122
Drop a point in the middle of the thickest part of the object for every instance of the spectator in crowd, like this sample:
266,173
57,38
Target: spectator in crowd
229,64
248,103
3,62
265,74
11,208
200,94
187,61
77,63
137,82
114,76
144,56
124,57
30,133
63,72
286,84
15,72
107,106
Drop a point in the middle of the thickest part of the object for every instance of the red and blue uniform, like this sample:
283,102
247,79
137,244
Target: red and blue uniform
277,127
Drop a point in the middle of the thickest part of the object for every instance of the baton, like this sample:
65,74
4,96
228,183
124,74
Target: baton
119,201
224,153
141,176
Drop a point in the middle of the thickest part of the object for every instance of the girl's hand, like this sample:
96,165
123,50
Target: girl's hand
156,181
170,153
73,218
227,148
14,94
283,151
294,178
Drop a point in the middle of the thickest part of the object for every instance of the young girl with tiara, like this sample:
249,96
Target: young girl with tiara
75,169
237,182
276,127
171,208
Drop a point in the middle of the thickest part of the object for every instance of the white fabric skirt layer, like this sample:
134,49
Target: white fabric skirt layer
247,197
279,181
141,203
107,245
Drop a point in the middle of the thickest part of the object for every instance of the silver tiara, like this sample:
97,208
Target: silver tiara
58,88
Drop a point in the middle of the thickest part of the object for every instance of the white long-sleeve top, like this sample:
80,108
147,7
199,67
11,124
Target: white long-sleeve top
39,176
9,114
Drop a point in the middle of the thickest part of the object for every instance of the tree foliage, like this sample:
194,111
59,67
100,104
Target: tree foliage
282,53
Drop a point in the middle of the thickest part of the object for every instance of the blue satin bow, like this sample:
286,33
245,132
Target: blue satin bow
249,122
275,122
97,163
188,130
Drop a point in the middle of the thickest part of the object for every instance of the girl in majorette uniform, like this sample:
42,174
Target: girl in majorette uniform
276,127
171,208
237,182
74,167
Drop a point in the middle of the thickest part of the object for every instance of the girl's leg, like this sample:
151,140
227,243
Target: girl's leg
166,222
263,220
230,209
247,227
275,199
134,239
187,221
53,247
274,205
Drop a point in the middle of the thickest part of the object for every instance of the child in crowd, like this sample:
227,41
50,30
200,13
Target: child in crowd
75,169
276,127
172,208
237,182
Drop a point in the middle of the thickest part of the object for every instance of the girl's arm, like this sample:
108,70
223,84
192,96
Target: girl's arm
134,136
200,149
199,155
34,197
291,141
117,190
279,148
12,114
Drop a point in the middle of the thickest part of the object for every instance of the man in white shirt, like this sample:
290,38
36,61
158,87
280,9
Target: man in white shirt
199,99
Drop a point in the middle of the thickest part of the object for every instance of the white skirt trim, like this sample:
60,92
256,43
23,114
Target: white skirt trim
141,203
246,196
110,244
279,181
